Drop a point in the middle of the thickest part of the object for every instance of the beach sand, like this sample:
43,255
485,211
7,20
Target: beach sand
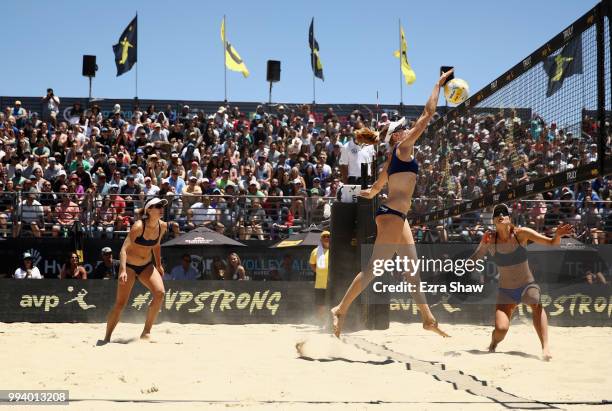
190,366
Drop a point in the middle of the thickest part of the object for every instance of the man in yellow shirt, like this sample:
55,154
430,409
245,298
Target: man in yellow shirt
319,262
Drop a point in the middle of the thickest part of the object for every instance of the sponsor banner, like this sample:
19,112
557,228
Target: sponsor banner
206,302
259,261
244,302
578,305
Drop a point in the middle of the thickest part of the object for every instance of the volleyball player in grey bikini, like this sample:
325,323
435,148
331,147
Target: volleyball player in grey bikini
506,245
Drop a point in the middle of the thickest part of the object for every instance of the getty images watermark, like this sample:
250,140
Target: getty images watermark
433,270
415,268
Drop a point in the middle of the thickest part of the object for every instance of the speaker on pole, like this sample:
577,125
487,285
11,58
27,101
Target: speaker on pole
89,66
273,72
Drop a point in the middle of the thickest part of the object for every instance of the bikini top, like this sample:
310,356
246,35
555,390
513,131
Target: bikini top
518,256
400,166
140,240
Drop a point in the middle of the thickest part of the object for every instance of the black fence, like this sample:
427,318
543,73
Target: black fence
565,87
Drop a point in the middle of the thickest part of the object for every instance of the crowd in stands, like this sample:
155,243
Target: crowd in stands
265,174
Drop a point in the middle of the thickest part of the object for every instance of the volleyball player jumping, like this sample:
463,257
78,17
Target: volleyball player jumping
393,231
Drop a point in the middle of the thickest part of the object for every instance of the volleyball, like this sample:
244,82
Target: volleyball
456,91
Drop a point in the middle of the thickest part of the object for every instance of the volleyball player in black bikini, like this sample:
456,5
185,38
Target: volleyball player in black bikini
506,245
393,231
141,258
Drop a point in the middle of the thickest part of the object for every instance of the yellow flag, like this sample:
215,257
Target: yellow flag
232,58
407,71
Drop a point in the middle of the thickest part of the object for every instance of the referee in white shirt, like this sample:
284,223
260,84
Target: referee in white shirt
352,157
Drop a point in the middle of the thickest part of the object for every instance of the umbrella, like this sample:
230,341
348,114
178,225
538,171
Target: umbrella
200,242
202,236
306,238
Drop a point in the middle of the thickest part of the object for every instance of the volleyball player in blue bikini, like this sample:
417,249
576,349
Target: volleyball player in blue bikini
506,245
393,231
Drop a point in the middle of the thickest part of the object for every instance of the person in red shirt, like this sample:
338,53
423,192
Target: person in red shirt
118,204
67,213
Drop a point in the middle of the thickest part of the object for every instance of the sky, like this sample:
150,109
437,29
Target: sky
180,54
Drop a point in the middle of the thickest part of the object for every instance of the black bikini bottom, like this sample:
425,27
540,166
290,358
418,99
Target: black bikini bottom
383,209
138,269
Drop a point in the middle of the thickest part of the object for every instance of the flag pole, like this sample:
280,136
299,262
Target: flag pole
312,63
224,60
136,95
400,65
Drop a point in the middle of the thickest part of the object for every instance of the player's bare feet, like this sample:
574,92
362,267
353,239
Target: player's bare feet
492,346
546,355
337,320
432,325
145,336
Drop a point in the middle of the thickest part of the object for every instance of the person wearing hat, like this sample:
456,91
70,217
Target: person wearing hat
195,170
319,263
400,175
191,193
108,268
20,114
149,189
140,258
506,245
27,270
131,194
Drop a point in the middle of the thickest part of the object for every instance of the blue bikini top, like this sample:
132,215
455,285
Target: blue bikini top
399,166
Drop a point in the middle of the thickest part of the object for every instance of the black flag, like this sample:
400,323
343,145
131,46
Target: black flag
126,49
563,65
315,60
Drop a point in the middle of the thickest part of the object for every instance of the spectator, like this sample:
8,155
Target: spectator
353,155
235,270
106,216
201,213
108,268
67,214
191,193
319,263
595,278
51,106
20,114
176,182
73,269
184,271
149,190
31,217
218,269
27,270
250,222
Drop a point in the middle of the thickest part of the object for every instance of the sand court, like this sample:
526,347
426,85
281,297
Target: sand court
258,367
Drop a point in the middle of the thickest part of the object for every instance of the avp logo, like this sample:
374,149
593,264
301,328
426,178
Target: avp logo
571,176
567,33
493,85
529,187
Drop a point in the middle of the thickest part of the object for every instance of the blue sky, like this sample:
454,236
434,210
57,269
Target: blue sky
181,55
